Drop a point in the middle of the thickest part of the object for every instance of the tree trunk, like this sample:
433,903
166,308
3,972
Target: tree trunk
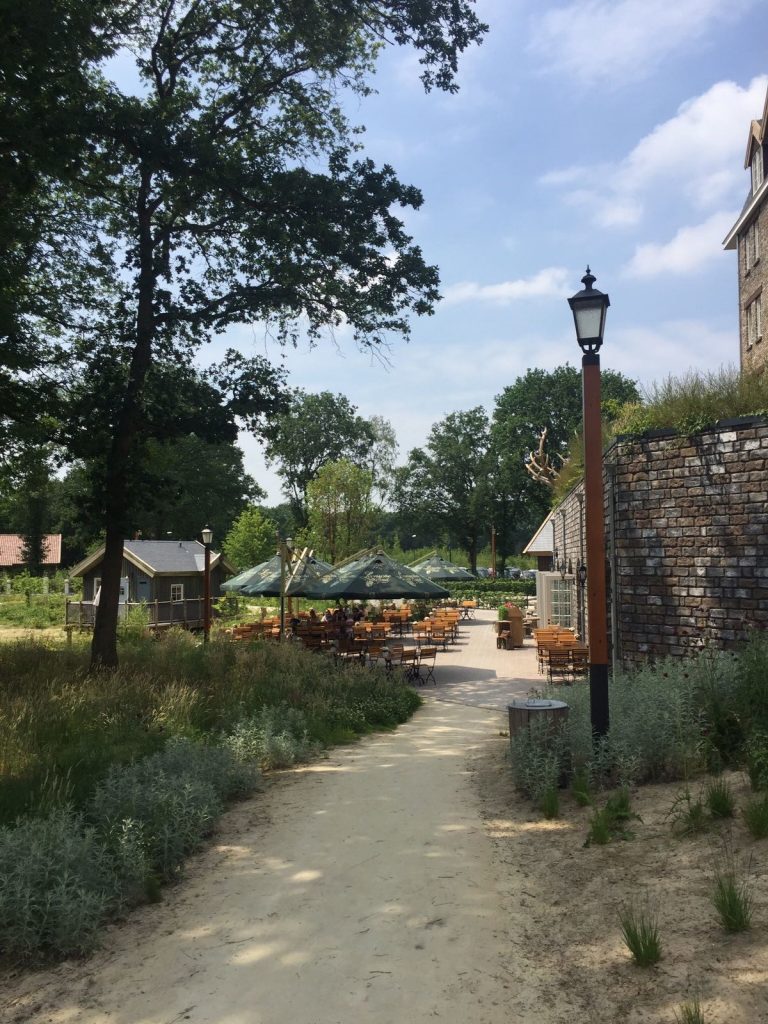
117,490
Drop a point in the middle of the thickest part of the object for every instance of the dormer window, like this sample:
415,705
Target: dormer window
757,168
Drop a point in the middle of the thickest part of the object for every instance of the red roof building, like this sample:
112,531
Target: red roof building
12,546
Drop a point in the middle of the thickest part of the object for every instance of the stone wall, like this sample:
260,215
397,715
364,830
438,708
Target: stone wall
686,538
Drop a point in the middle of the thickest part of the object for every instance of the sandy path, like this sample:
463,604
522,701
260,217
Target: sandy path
363,887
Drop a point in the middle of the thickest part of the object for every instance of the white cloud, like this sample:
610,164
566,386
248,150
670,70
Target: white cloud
694,157
552,281
624,40
690,249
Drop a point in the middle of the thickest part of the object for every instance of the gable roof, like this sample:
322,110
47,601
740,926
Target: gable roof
12,547
159,558
543,541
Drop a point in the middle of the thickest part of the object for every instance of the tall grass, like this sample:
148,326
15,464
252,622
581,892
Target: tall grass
61,729
696,400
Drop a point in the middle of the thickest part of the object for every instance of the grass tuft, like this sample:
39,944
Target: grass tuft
731,895
640,931
690,1012
756,817
719,799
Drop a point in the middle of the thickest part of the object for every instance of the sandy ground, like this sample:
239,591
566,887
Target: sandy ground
402,879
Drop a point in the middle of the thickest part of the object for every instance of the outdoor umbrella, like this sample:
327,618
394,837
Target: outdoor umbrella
437,568
304,572
375,575
236,584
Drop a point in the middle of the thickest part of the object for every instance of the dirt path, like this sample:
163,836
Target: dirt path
363,887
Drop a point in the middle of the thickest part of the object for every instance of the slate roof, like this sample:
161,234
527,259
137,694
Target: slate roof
12,545
169,556
159,557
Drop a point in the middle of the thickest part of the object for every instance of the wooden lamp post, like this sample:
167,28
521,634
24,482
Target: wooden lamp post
589,307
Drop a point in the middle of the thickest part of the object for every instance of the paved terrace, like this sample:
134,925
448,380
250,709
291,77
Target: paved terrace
472,671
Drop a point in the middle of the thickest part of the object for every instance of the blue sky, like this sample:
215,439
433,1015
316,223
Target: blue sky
608,132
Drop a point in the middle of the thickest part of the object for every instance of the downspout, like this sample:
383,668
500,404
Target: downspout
614,578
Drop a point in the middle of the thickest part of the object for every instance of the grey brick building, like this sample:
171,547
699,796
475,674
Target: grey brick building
749,238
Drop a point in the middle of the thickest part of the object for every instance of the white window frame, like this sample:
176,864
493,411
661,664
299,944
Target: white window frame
753,315
177,587
752,246
555,599
757,169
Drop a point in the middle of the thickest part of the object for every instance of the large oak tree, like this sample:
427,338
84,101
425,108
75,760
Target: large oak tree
226,187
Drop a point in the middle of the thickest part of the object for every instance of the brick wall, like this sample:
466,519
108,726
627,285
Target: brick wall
688,551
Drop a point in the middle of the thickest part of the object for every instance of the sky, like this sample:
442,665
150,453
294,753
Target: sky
608,132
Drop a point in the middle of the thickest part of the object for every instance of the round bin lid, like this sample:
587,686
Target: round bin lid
537,705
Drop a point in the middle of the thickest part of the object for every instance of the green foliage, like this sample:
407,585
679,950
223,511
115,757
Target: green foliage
150,761
503,612
611,821
445,484
56,886
688,815
490,588
537,755
581,790
719,798
174,796
690,1012
731,895
696,400
755,815
275,737
640,931
318,429
756,751
33,611
251,540
61,729
339,510
550,803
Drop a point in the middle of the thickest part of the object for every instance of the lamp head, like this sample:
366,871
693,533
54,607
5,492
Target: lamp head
589,307
207,534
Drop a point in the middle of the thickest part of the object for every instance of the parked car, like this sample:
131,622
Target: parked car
512,572
528,574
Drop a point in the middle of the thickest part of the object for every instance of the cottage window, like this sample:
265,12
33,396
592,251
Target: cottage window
177,591
754,316
752,246
757,168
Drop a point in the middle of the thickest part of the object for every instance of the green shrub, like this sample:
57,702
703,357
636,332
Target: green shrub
273,738
732,899
688,815
756,751
537,759
611,821
719,799
550,803
174,796
56,886
640,931
581,790
755,815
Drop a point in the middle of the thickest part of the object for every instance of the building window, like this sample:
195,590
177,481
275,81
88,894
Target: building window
560,603
754,328
752,246
177,591
757,168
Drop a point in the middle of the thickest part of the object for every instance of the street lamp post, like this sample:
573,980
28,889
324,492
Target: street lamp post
493,552
589,308
207,534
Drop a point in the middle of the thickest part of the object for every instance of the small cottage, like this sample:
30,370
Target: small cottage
165,575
